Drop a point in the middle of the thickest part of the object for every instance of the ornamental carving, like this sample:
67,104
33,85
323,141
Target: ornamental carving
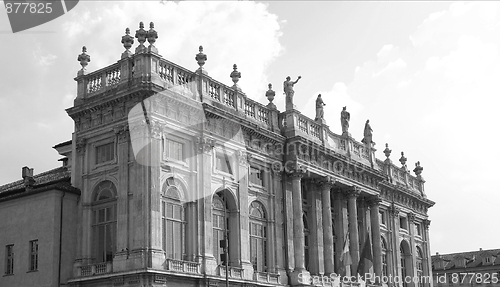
411,217
204,145
327,181
122,133
80,145
393,211
374,200
426,223
354,192
156,129
296,170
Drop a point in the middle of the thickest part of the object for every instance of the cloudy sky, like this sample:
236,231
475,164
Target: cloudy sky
425,74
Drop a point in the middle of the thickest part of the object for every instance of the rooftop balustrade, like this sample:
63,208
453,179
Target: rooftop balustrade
146,69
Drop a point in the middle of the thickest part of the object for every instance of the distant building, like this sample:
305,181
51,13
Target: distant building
473,268
38,229
183,178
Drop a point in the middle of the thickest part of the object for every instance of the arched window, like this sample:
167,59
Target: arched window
420,266
258,237
384,257
219,223
404,249
104,222
173,223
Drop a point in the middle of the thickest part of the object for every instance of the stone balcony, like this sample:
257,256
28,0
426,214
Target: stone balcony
94,269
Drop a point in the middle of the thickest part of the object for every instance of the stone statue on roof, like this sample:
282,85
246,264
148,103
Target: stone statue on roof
367,134
288,89
345,117
319,108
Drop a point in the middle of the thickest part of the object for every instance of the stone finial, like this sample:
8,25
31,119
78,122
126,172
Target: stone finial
141,35
235,76
84,58
201,58
270,96
418,169
387,151
403,160
152,34
127,42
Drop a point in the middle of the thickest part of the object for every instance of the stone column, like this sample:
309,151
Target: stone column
298,228
375,226
353,229
341,226
326,185
315,216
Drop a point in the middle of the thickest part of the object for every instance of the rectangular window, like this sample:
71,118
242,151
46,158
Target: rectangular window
256,176
9,259
33,255
403,223
105,153
174,150
382,217
418,229
222,163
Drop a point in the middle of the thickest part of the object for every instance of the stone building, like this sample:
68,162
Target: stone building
186,181
473,268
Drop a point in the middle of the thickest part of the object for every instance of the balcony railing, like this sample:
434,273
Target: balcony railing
183,266
233,272
231,99
95,269
266,277
102,79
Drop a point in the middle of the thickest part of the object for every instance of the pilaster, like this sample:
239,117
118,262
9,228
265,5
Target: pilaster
428,265
203,147
279,225
122,235
244,237
396,255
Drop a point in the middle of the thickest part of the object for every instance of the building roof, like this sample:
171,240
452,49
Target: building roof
472,258
57,178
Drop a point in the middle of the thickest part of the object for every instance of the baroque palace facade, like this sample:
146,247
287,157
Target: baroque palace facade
181,180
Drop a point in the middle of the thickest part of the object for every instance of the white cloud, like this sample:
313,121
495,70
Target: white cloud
391,68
